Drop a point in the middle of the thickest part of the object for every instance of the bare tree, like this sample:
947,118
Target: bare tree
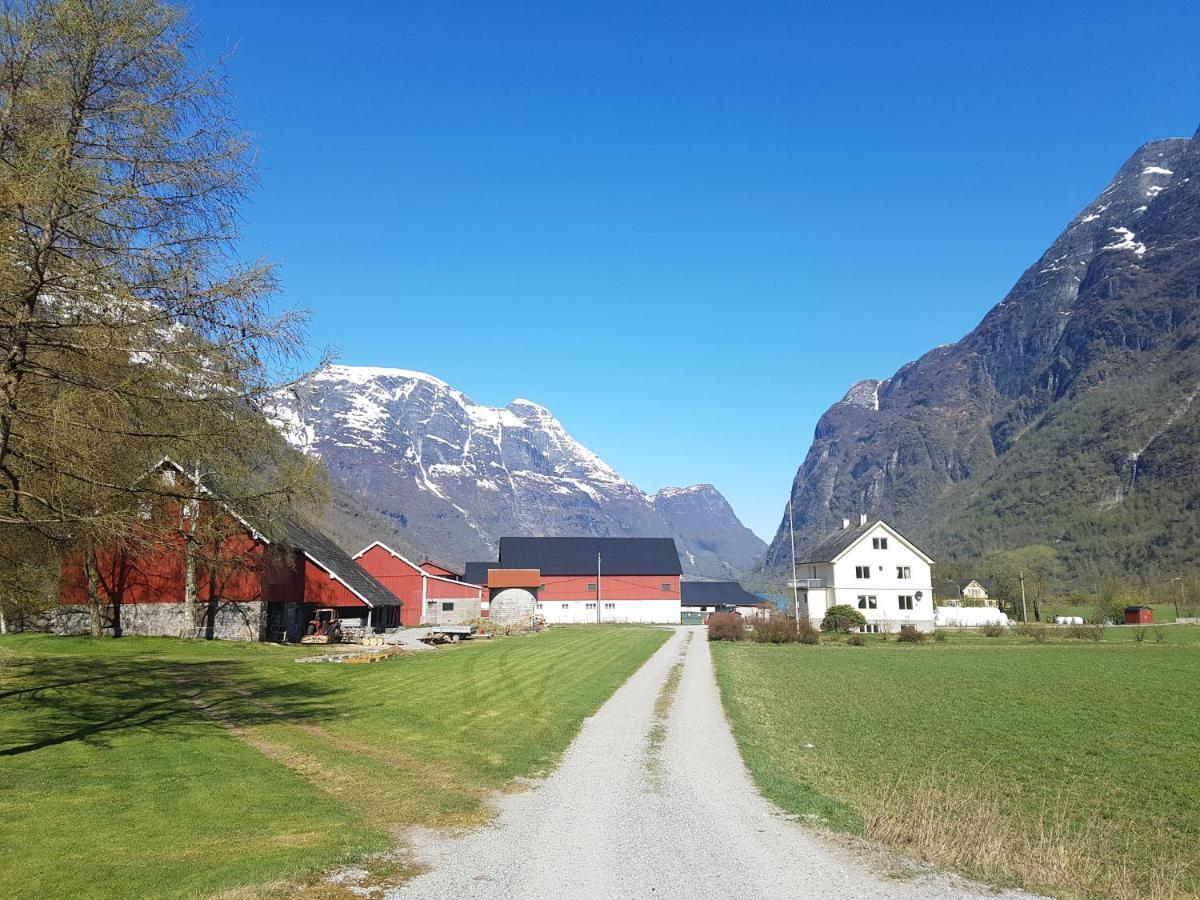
130,328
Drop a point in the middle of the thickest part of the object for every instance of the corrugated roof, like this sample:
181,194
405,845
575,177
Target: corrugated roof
716,593
577,555
318,547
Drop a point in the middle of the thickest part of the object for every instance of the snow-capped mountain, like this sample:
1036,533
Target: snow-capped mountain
1067,417
454,476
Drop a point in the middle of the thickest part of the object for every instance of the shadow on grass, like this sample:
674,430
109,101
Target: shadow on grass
65,700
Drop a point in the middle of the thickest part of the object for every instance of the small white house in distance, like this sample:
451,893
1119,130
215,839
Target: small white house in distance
873,568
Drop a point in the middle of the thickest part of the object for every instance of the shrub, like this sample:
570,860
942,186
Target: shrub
941,635
1035,630
726,627
842,618
1086,632
910,635
856,640
992,629
780,629
1160,635
1139,634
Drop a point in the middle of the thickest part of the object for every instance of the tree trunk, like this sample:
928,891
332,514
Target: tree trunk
3,621
191,511
93,594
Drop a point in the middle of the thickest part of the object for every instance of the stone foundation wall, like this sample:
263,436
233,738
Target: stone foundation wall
232,621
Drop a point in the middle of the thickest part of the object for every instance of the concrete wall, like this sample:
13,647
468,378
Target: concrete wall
464,609
583,612
232,621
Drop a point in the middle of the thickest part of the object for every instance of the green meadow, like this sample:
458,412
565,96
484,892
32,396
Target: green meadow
1067,766
153,767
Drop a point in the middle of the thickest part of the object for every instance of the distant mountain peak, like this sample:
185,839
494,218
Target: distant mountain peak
456,475
1034,427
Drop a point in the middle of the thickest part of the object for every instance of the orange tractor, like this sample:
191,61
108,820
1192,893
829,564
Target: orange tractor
323,628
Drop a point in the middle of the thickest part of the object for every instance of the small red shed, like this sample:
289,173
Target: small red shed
1139,615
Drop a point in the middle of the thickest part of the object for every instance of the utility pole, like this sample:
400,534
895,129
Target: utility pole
597,588
795,582
1024,611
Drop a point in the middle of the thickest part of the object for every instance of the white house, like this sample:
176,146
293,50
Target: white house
873,568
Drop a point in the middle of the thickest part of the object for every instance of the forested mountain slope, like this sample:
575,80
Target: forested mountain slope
1067,417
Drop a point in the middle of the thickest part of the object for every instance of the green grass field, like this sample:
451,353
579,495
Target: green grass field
1066,766
151,767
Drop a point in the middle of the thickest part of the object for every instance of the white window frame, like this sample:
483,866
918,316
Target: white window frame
863,573
903,573
907,602
879,543
868,601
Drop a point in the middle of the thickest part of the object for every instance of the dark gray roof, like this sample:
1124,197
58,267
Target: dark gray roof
833,544
717,593
318,546
477,572
577,555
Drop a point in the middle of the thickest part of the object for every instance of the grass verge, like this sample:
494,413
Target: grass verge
151,767
1063,766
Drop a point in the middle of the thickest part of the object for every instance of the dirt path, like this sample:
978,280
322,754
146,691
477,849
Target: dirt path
652,800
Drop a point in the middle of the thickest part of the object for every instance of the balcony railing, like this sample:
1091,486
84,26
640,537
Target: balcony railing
807,583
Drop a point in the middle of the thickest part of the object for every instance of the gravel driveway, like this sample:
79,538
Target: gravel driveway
636,810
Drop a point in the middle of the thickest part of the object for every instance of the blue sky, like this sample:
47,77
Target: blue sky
686,228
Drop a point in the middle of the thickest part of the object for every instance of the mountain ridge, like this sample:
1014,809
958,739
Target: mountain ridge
962,445
454,476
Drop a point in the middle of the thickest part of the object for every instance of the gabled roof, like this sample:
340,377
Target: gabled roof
477,572
577,555
717,593
832,547
412,565
324,553
314,544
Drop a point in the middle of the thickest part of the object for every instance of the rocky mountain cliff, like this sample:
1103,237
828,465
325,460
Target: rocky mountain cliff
453,476
1068,416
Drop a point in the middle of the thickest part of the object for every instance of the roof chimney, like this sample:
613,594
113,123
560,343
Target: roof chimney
845,524
862,518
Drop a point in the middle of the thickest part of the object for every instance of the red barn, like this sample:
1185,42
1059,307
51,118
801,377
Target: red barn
424,595
587,580
441,571
247,586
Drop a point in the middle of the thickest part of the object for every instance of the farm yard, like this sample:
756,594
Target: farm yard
1064,766
153,767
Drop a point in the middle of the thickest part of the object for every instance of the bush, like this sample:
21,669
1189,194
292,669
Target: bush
726,627
910,635
992,629
1086,632
1035,630
1159,634
780,629
941,635
1139,634
856,640
842,618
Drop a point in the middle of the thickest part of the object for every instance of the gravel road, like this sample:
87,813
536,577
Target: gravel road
636,810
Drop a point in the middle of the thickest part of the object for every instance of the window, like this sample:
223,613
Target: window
865,602
879,543
903,572
566,606
539,606
591,606
591,586
666,587
862,571
610,606
447,606
906,601
868,629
